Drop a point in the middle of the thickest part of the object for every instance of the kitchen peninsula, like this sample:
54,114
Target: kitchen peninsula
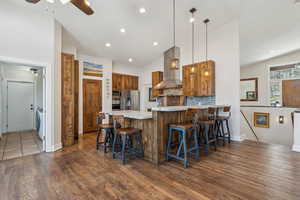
154,126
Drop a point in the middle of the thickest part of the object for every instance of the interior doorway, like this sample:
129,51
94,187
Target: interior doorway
20,114
92,103
23,121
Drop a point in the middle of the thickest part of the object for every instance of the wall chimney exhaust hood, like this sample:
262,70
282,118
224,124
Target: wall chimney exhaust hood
171,70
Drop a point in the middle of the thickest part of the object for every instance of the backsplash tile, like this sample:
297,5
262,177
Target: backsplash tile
191,101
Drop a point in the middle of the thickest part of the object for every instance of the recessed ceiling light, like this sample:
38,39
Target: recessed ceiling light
50,1
192,20
155,43
107,44
65,1
87,3
130,59
122,30
142,10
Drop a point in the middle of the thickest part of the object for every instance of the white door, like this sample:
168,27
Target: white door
20,106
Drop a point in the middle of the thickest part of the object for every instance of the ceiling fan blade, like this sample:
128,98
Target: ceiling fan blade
80,4
32,1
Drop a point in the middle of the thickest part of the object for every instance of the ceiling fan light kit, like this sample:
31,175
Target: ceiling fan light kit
65,1
83,5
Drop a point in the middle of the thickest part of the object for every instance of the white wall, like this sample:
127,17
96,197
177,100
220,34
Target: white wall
277,133
261,71
224,50
35,39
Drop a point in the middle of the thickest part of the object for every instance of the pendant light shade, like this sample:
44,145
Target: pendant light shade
175,61
206,72
192,11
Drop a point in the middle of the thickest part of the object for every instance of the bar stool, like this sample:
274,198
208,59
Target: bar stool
221,118
130,142
183,129
207,123
108,128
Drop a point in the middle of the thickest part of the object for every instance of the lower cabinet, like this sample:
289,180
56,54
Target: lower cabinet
199,79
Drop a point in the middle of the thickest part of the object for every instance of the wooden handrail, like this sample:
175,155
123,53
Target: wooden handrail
250,126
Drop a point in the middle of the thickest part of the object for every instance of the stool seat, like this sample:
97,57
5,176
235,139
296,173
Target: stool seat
128,131
105,126
182,125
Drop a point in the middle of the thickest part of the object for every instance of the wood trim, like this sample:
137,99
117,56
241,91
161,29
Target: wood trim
68,98
256,88
92,74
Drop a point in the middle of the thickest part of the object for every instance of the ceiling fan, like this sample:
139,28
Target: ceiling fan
82,5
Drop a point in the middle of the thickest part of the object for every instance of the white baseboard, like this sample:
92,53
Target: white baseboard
296,148
237,138
57,146
54,147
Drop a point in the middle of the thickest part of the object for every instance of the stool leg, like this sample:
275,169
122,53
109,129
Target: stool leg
214,137
106,139
124,138
114,146
196,144
229,136
185,149
169,143
223,132
206,140
97,140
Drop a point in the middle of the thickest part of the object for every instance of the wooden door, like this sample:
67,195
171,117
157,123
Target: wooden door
68,98
207,78
157,77
92,103
135,83
187,83
116,82
291,93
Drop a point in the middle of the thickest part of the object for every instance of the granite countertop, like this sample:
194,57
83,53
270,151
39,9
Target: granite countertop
132,114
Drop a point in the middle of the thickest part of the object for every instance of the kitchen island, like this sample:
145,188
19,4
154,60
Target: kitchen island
154,126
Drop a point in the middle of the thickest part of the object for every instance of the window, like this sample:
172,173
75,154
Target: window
279,74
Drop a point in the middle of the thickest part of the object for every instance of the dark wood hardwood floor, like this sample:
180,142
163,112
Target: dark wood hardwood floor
238,171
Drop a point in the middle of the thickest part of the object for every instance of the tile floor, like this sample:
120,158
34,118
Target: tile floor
18,144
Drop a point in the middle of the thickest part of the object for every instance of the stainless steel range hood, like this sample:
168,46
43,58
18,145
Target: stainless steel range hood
171,73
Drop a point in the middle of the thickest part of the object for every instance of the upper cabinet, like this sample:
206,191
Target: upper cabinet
124,82
199,79
157,77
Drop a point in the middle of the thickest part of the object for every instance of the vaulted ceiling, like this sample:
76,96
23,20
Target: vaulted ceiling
93,32
268,28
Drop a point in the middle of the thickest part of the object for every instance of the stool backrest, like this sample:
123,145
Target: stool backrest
225,111
212,113
100,117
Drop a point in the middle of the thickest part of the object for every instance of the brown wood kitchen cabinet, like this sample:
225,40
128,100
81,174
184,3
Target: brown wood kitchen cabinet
124,82
157,77
199,79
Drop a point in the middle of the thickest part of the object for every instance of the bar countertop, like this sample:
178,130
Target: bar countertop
131,114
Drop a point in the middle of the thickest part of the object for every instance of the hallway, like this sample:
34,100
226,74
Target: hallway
18,144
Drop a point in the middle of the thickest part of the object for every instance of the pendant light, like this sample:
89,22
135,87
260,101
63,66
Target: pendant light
192,11
206,72
175,61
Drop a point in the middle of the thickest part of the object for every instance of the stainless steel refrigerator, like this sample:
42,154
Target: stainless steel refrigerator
130,100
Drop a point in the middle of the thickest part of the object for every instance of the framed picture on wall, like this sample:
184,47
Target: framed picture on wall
150,95
261,120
